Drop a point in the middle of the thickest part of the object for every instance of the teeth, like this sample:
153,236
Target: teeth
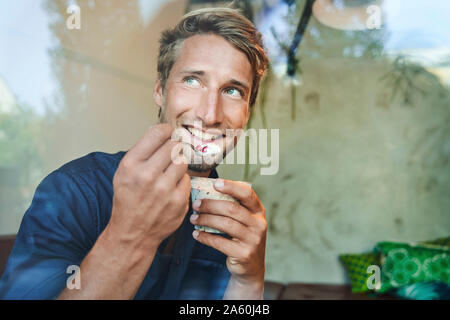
202,135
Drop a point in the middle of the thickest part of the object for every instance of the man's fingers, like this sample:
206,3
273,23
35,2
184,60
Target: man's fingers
225,224
240,191
230,248
150,142
176,169
162,157
224,208
184,185
255,222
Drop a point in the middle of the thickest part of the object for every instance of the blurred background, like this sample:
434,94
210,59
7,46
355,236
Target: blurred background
359,90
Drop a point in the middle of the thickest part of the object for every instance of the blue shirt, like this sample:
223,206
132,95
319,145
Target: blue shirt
69,210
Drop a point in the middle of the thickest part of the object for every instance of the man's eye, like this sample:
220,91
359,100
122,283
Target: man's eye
191,81
234,92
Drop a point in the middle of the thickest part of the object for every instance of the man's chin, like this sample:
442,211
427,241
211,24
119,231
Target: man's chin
200,163
204,163
203,167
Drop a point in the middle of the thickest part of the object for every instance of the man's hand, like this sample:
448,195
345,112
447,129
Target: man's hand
245,222
151,199
151,192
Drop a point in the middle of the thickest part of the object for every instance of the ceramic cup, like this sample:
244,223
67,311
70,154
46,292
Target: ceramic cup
203,188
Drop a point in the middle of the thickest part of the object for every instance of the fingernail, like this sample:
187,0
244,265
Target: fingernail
218,183
195,234
183,159
197,203
194,217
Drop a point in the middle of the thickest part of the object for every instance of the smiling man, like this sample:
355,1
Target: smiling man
122,222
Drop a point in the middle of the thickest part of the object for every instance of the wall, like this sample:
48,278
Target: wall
354,169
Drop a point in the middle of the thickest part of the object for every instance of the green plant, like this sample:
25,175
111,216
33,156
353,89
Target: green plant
407,79
19,134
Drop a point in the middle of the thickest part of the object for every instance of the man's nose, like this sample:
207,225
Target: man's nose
210,110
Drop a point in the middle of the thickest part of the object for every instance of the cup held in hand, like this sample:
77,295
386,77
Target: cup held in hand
203,188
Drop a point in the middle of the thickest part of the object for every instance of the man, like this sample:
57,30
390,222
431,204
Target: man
119,226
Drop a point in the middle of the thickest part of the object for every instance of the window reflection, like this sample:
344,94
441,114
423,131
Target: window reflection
365,137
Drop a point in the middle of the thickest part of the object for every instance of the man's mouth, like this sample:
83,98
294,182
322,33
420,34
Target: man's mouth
205,143
205,137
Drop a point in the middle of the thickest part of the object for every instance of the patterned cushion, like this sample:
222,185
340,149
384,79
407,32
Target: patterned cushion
356,265
400,264
404,264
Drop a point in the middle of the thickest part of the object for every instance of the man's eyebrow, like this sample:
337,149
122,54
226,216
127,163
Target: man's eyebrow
192,71
240,83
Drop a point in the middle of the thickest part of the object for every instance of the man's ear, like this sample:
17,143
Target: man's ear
158,92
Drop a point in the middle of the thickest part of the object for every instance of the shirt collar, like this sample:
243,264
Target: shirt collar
213,174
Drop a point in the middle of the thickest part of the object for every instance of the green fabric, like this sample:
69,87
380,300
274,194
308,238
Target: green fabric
445,242
394,275
404,264
356,265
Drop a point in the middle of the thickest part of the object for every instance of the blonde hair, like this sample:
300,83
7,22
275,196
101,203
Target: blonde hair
225,22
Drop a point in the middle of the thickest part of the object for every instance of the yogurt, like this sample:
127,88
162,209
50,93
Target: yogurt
208,149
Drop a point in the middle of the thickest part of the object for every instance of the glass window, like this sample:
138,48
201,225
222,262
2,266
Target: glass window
359,90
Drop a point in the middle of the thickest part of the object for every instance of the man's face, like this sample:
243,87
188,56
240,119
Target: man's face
206,98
